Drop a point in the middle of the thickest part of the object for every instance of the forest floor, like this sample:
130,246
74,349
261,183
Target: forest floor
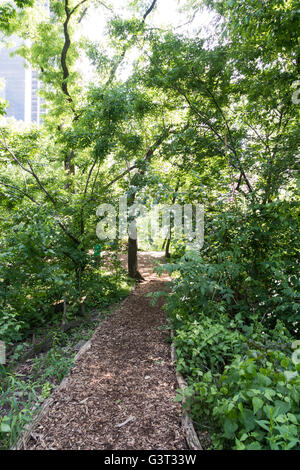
120,392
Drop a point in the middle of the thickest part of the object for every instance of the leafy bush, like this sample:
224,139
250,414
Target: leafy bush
55,364
18,399
235,312
10,325
259,403
248,398
205,345
248,266
253,404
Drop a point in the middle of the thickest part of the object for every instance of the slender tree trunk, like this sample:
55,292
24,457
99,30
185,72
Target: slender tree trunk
167,252
69,168
167,241
132,260
166,246
132,243
133,249
79,281
69,165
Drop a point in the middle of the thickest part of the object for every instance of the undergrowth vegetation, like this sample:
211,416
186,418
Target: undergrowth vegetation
40,341
235,311
153,114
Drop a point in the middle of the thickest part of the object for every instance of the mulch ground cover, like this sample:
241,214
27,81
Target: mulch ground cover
120,393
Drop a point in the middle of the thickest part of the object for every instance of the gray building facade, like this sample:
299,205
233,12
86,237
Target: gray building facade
19,87
19,84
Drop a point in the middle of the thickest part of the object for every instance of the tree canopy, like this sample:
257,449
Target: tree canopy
171,115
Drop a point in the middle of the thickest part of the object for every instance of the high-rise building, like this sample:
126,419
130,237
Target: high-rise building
19,85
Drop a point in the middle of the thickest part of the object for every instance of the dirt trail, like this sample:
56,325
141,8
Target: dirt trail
120,394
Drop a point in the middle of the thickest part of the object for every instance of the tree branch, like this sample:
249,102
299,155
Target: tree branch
147,156
20,191
65,50
32,173
238,165
126,47
149,10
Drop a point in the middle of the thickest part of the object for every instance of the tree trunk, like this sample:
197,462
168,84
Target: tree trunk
167,252
132,260
133,248
81,301
69,168
167,241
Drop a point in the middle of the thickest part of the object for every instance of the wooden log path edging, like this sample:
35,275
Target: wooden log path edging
187,423
26,434
187,427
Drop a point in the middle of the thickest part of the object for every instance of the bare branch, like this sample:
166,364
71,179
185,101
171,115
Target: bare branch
238,164
188,22
147,157
65,50
84,196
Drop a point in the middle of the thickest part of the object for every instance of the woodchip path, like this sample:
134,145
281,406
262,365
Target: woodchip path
120,393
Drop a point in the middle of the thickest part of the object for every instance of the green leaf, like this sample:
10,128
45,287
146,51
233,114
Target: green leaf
239,445
257,404
178,398
229,428
253,446
290,375
4,427
263,424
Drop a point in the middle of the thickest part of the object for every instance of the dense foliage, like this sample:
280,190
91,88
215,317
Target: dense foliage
235,347
199,118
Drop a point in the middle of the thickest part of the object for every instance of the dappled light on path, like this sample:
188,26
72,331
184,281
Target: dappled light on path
120,394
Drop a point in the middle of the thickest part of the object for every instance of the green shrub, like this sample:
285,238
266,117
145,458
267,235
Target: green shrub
19,399
10,325
248,266
235,311
205,345
254,404
248,398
